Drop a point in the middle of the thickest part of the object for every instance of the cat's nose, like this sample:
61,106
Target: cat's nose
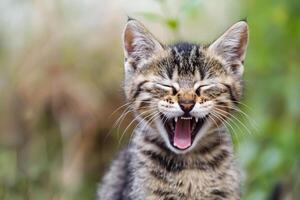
186,105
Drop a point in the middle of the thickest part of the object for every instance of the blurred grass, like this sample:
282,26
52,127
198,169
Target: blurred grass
61,76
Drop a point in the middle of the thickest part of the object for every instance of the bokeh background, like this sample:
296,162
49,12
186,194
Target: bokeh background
61,70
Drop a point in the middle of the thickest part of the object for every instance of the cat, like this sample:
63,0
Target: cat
182,95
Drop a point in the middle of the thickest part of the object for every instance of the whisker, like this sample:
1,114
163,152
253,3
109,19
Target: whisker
120,107
247,117
126,104
235,118
143,120
225,123
118,121
216,125
139,115
225,112
225,118
122,119
241,103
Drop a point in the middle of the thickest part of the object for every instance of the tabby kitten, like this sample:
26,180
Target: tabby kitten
181,95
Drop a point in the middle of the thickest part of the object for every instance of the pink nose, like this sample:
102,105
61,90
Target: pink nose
186,105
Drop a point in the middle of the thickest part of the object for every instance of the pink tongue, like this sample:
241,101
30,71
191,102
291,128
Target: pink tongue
183,135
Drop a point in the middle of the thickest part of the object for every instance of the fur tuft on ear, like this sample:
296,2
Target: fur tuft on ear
139,44
232,45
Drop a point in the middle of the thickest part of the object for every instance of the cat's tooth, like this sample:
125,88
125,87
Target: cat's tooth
172,126
196,119
176,118
194,125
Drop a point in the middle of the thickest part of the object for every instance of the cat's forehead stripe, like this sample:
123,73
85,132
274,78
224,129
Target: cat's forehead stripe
189,59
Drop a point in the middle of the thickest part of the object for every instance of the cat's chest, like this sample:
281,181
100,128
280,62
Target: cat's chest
187,184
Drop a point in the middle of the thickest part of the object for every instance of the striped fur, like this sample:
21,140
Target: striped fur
157,77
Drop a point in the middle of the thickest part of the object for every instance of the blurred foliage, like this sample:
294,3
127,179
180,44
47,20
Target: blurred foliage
60,80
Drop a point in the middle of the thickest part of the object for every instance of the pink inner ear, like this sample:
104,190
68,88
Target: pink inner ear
139,43
233,43
243,44
128,40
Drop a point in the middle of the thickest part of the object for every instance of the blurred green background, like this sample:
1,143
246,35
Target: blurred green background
61,70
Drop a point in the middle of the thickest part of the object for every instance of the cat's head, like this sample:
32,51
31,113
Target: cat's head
184,89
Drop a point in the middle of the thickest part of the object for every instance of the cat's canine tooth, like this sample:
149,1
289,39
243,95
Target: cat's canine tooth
176,118
196,118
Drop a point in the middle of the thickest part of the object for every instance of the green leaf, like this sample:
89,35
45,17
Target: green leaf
172,23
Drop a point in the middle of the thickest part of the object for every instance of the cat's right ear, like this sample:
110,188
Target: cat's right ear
139,45
232,45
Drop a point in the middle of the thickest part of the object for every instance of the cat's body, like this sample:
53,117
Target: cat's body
182,96
148,170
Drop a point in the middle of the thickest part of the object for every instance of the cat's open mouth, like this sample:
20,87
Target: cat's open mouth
182,130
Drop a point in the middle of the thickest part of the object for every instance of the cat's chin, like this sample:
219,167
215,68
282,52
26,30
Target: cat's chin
182,132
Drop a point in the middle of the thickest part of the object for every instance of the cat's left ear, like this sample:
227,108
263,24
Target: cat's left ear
231,46
139,45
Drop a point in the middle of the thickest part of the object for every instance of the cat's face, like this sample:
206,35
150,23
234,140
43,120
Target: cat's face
184,89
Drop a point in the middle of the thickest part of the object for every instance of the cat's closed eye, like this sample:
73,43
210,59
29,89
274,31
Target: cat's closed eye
198,90
213,90
167,87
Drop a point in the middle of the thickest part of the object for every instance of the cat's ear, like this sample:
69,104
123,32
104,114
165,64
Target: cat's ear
139,44
232,45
